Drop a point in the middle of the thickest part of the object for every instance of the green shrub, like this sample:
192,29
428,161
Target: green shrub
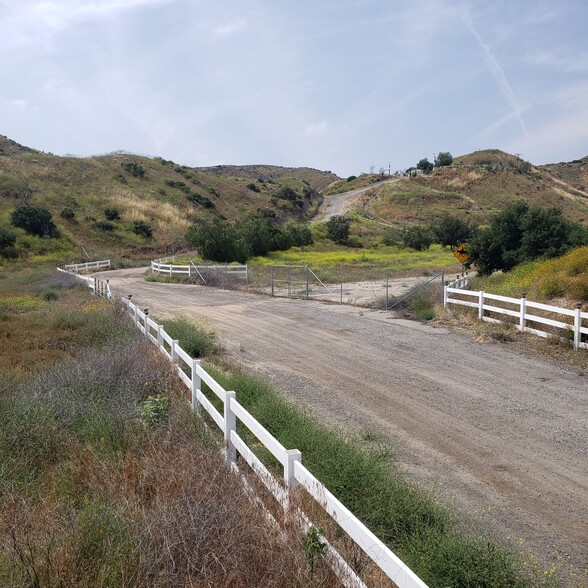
67,214
103,226
338,229
112,214
417,237
194,339
7,238
253,187
134,168
120,178
201,200
35,221
142,229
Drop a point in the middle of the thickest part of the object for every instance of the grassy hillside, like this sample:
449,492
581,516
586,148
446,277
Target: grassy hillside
167,196
475,186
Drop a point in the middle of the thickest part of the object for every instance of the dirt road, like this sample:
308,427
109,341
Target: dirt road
502,434
339,204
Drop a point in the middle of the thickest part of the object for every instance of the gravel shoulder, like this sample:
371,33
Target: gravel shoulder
500,433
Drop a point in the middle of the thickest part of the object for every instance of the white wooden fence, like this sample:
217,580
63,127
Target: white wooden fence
565,323
295,475
88,266
163,267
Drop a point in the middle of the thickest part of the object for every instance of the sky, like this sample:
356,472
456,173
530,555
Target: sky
340,85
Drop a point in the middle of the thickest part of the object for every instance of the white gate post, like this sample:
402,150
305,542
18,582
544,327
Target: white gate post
196,385
481,306
523,309
577,325
230,425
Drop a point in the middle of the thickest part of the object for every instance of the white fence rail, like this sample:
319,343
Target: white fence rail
294,473
88,266
565,323
204,272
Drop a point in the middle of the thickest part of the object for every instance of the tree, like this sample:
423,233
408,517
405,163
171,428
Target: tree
35,221
425,165
338,229
443,159
450,230
218,240
417,237
523,232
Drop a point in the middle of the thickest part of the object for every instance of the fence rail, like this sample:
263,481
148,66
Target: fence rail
295,475
205,272
565,323
88,266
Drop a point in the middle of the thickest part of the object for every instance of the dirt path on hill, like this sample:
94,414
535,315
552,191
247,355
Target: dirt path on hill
339,204
500,433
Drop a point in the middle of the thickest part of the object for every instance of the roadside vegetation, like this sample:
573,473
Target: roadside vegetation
107,478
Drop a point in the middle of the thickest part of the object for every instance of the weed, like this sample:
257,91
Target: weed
194,339
314,548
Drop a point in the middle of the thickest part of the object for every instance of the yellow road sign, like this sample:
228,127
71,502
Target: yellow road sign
461,252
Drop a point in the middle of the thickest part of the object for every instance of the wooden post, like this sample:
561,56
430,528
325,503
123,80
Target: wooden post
578,325
159,336
522,321
292,456
481,306
146,322
174,353
445,295
230,425
196,385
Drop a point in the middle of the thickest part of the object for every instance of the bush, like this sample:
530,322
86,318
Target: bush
67,214
103,226
7,238
289,194
120,178
417,237
351,178
35,221
201,200
112,214
338,229
392,236
134,168
194,339
253,187
300,234
142,229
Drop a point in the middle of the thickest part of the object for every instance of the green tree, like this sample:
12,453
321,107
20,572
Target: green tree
523,232
417,237
218,240
443,159
338,229
35,221
425,165
450,230
7,238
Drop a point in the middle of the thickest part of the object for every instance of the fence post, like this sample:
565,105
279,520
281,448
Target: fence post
578,325
341,296
196,385
306,282
159,336
445,295
523,309
247,273
230,425
272,280
174,353
146,322
481,305
387,286
289,281
292,456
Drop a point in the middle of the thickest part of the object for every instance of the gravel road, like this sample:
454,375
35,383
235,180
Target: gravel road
500,433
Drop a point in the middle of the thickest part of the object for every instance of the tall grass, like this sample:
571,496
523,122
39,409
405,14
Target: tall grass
96,491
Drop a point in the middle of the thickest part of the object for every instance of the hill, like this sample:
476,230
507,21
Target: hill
167,196
573,173
476,186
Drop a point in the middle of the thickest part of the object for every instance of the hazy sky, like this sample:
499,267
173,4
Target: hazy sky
334,84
